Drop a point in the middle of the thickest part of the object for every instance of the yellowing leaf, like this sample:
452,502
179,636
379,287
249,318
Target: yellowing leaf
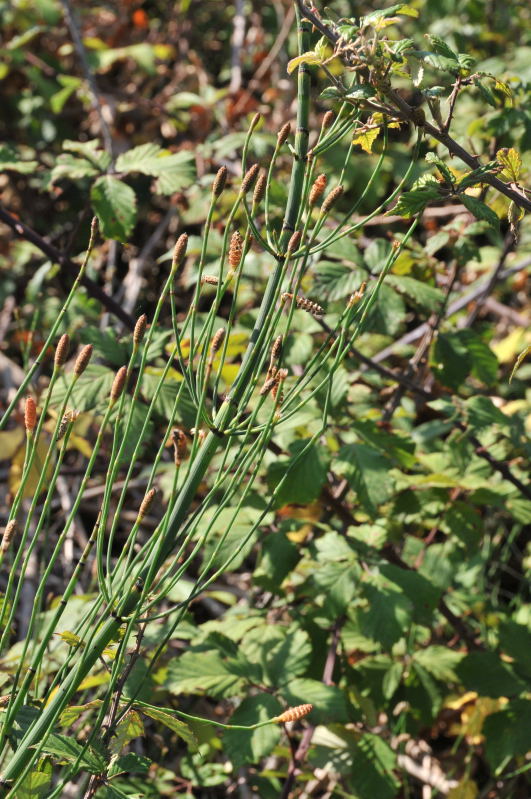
71,638
131,726
519,361
70,714
367,139
311,57
35,472
93,680
511,161
10,442
507,349
467,789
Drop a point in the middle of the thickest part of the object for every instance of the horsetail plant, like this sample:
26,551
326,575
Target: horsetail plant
216,462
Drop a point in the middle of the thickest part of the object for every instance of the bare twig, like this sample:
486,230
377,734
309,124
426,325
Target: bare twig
454,308
89,76
238,38
67,264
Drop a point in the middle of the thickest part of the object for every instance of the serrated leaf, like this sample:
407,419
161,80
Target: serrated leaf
511,161
105,343
114,203
175,171
428,297
366,470
367,139
303,475
423,595
412,202
281,653
202,672
329,703
249,746
126,730
372,768
440,47
448,176
130,763
508,733
73,712
91,389
440,661
70,166
480,210
176,725
63,748
35,784
360,92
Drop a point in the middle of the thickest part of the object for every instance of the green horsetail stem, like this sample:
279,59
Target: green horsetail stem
28,746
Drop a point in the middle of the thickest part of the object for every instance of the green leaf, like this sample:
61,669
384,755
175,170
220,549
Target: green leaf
360,92
281,653
440,47
36,784
398,447
131,763
329,703
130,429
422,294
249,746
366,470
335,281
114,203
448,176
10,160
481,412
70,166
228,535
278,557
372,768
175,171
183,730
127,729
480,210
91,389
423,595
440,662
476,176
73,712
450,360
387,615
106,344
62,748
303,475
508,733
167,393
488,675
413,202
202,672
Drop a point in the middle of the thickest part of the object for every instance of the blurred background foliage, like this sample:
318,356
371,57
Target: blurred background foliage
390,586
